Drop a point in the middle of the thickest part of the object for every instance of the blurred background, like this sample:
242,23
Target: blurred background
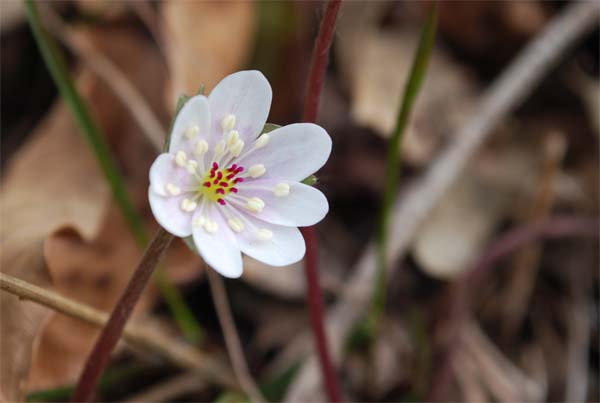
522,215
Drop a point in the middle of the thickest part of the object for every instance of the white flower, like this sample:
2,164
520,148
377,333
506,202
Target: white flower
231,188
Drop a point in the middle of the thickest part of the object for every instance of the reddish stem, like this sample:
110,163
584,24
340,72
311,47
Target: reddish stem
315,298
111,333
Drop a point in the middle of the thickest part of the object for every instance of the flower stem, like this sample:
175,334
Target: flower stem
315,298
111,333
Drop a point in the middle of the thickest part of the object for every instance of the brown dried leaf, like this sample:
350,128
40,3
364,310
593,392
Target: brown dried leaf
52,182
205,41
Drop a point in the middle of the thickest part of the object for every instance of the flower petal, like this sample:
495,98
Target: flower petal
168,213
286,246
219,250
293,152
195,113
164,171
303,206
246,95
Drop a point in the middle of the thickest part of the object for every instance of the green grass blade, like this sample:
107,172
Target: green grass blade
91,131
411,90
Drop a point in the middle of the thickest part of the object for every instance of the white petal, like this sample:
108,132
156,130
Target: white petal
220,249
285,247
303,206
245,95
195,113
164,171
169,214
294,152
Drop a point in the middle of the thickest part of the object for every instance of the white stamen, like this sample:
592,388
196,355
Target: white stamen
257,170
180,158
255,204
201,147
198,222
228,122
172,189
188,205
220,147
192,131
262,140
232,138
236,224
192,166
211,226
264,234
237,148
281,189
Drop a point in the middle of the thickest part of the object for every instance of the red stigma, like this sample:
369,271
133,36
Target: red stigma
221,202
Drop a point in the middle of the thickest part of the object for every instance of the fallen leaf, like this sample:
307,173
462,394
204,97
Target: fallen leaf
456,231
96,269
205,41
52,182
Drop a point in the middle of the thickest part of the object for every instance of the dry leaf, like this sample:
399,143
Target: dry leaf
456,231
205,40
52,182
95,270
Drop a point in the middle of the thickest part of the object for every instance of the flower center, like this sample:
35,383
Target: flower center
219,182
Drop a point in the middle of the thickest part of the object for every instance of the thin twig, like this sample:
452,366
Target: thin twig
111,333
142,336
232,339
515,83
112,76
316,80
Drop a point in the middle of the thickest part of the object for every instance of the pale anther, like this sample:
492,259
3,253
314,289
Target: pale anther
198,222
232,138
211,226
264,234
192,131
228,122
201,147
192,166
188,205
262,140
257,170
281,189
255,204
180,158
172,189
237,148
236,224
220,147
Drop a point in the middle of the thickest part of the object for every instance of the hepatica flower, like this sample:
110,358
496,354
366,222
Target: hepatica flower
233,189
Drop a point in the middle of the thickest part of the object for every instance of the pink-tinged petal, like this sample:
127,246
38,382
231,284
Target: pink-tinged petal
167,211
194,114
220,249
303,206
246,95
293,152
164,171
286,245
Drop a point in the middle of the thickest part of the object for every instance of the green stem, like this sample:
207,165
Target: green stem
93,135
413,85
